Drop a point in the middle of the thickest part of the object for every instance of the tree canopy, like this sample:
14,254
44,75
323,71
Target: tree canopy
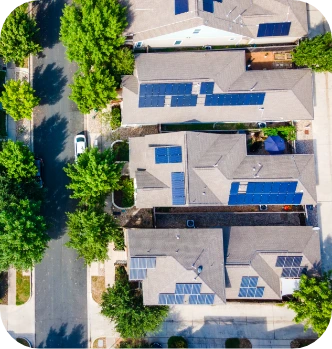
93,90
90,232
312,302
94,176
17,161
18,99
19,36
23,237
315,53
123,304
92,30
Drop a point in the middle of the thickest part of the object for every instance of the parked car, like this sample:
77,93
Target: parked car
39,164
80,145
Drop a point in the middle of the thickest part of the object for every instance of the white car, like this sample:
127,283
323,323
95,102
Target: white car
80,145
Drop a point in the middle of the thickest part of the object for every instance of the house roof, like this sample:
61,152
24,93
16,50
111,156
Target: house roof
255,250
176,251
211,163
228,72
226,255
149,19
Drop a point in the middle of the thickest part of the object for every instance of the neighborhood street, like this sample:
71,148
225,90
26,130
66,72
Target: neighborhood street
61,302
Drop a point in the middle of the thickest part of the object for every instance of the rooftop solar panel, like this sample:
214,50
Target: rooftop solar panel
274,29
249,287
181,6
259,292
208,6
207,88
231,99
178,188
166,155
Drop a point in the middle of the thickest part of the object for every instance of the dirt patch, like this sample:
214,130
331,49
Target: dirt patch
4,288
97,288
22,288
301,343
137,218
101,339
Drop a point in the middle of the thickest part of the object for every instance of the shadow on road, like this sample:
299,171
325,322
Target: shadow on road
61,339
48,19
49,83
50,138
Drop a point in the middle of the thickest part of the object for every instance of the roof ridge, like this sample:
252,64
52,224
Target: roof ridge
296,84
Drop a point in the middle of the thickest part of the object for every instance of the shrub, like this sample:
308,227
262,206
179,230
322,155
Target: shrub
116,118
128,192
286,132
177,342
232,343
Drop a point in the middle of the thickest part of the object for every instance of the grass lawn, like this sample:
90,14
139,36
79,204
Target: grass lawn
22,288
98,287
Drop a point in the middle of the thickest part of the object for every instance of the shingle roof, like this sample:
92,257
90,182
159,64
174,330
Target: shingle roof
149,19
201,247
227,70
211,162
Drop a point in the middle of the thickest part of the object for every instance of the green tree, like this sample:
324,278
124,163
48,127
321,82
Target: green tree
315,53
91,30
124,305
312,302
94,176
19,99
19,36
23,237
90,232
93,90
122,63
17,161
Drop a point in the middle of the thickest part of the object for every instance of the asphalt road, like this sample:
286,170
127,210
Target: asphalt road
61,288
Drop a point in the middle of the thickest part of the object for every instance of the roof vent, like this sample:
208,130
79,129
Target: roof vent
178,236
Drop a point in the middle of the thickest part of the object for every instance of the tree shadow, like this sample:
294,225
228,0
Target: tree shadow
48,13
49,83
62,339
49,142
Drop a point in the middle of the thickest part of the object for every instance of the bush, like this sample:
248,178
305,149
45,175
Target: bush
232,343
128,192
177,342
286,132
116,118
3,132
134,343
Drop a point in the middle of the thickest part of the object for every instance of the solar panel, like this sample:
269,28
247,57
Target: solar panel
235,187
208,6
184,101
137,274
181,6
206,88
178,188
139,266
204,298
188,288
167,155
289,261
248,287
170,298
293,272
151,101
232,200
230,99
274,29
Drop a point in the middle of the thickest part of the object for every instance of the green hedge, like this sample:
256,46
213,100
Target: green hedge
177,342
3,132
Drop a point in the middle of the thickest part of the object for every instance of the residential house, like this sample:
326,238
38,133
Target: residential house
212,86
210,266
208,169
179,23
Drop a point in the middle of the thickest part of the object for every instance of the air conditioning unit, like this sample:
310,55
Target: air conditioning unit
263,207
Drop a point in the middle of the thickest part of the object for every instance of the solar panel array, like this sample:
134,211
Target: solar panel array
184,88
291,266
168,155
188,288
272,193
206,88
181,6
274,29
208,6
203,298
228,99
151,102
170,298
249,287
184,101
139,266
178,188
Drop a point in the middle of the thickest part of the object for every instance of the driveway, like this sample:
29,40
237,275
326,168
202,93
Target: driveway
61,290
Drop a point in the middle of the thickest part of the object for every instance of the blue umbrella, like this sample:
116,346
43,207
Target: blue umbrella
274,145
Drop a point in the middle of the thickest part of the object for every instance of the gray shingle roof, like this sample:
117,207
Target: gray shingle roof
149,19
211,162
227,69
193,246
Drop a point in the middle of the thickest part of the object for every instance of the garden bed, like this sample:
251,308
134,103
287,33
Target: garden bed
301,343
124,198
238,343
24,342
97,288
4,288
22,288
